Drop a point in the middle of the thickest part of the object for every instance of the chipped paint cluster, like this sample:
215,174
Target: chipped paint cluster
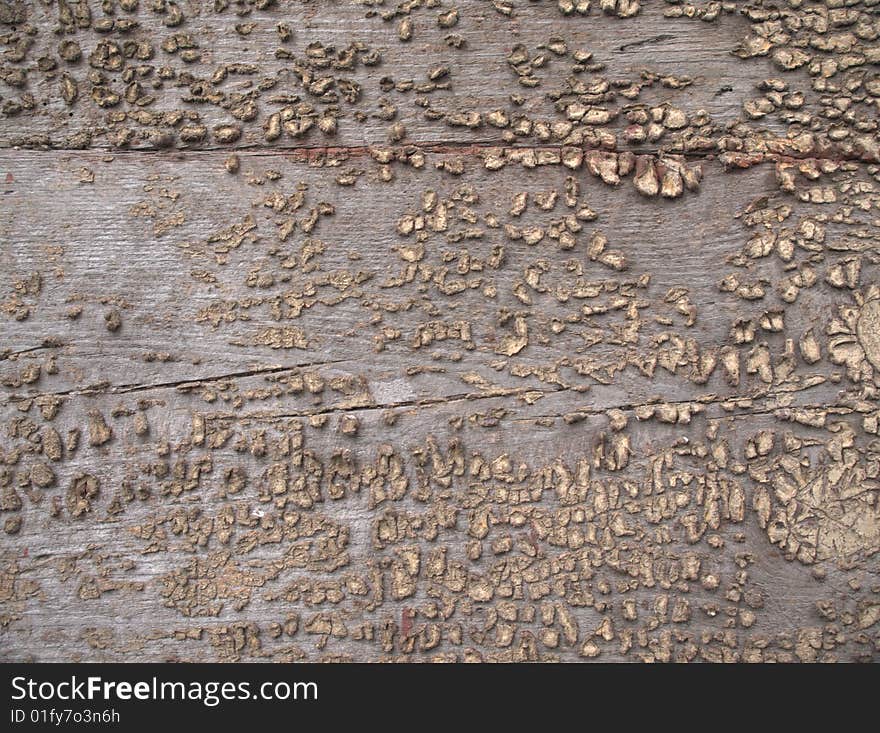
475,417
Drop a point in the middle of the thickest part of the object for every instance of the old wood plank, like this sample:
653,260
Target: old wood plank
131,235
476,78
436,392
190,258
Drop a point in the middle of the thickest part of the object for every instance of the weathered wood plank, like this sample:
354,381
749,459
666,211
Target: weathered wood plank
507,392
117,573
233,298
131,236
477,77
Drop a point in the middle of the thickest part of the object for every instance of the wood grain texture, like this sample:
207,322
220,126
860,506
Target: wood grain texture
594,378
478,76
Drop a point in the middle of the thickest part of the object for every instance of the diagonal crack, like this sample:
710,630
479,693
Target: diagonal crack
8,354
107,388
428,402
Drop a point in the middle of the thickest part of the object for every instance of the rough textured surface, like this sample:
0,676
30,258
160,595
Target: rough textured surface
486,331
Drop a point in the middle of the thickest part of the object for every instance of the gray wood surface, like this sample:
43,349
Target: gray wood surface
594,378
